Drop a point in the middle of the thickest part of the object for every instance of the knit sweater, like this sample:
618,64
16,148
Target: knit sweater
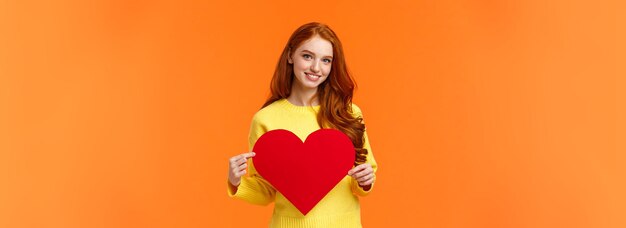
339,208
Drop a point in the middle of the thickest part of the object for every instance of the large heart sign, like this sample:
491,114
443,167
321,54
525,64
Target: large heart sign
304,172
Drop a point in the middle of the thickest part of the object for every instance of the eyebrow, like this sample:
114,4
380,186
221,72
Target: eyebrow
328,56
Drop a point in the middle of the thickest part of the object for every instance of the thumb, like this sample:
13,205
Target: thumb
249,155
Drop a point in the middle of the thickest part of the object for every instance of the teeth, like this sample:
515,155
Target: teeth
312,75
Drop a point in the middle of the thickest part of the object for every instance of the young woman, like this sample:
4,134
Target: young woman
311,89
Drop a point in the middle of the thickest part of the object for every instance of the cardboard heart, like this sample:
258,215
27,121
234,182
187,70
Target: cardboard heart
304,172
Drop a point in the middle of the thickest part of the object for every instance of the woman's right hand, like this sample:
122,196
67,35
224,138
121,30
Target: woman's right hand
237,167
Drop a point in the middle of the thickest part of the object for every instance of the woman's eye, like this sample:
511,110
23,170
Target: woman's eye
306,56
327,60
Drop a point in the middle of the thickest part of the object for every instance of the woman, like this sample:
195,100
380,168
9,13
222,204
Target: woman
311,89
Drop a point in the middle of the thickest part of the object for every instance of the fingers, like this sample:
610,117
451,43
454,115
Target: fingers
242,167
368,182
358,168
248,155
243,156
241,159
361,170
238,174
238,162
365,178
238,167
363,174
236,170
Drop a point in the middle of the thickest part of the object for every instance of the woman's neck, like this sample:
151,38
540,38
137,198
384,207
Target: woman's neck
302,97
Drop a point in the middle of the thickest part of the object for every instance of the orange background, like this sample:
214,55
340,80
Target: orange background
480,113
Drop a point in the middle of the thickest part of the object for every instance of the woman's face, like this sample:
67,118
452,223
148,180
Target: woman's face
312,62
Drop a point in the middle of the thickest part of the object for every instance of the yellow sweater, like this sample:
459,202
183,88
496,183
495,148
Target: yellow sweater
339,208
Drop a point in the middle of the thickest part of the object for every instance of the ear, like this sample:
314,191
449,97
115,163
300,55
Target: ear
289,60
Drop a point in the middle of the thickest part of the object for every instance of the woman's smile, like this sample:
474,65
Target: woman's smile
312,77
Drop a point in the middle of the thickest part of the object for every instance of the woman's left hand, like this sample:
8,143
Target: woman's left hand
364,175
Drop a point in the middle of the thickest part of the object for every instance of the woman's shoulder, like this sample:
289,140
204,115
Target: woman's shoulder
356,111
266,112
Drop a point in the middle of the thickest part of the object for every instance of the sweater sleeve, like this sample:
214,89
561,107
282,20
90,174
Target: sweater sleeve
356,188
253,188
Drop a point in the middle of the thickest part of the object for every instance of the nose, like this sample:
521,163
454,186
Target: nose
315,67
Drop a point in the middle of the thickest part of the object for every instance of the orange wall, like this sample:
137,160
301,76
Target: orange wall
480,113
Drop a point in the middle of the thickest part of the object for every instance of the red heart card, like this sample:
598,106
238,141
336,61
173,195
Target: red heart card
304,172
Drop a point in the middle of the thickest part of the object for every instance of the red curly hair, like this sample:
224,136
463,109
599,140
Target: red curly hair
334,94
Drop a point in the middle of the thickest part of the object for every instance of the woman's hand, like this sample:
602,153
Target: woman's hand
237,167
364,175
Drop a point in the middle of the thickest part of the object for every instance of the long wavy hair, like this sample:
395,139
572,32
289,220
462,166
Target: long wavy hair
334,94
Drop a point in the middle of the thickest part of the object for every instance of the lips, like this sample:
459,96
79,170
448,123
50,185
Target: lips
312,77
